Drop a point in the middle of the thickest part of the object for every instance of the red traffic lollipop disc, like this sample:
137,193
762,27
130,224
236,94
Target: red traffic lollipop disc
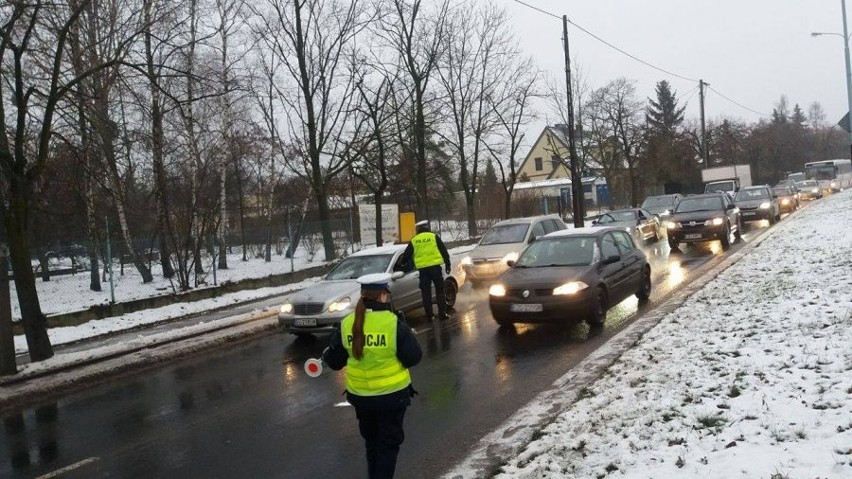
313,367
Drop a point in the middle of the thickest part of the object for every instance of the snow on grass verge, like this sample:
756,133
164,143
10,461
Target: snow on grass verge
750,377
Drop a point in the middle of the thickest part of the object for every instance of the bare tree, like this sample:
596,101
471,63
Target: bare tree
511,108
615,115
416,36
33,41
310,39
478,49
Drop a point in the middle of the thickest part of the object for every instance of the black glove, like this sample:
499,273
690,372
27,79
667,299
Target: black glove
447,268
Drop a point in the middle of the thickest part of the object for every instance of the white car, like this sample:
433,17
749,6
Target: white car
320,307
504,242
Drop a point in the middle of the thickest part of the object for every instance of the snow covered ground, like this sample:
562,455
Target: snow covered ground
69,334
751,377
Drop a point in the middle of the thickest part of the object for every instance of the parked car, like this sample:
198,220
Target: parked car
571,276
504,242
320,307
661,205
758,203
641,224
706,217
788,198
809,190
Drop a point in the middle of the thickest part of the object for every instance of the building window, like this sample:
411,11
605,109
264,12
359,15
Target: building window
554,162
538,164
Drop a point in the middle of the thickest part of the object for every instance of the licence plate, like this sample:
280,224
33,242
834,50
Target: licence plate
526,308
692,236
304,322
749,213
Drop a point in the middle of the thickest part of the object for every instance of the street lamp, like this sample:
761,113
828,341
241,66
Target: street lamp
845,37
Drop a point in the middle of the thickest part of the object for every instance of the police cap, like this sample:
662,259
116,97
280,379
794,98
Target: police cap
375,281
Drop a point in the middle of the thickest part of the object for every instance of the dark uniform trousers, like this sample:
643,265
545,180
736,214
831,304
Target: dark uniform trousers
429,276
383,434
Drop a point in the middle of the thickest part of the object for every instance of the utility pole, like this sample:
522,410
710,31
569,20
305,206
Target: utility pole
576,180
703,128
848,73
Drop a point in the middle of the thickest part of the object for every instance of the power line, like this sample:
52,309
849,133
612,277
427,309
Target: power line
667,72
587,32
737,103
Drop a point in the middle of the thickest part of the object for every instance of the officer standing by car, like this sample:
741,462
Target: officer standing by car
377,348
429,254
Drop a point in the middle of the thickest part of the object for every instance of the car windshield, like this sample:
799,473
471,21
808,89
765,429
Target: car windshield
354,267
822,172
724,186
807,184
689,205
564,251
505,234
616,216
755,194
782,191
657,201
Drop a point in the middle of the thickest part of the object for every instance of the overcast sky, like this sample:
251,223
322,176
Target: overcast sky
751,51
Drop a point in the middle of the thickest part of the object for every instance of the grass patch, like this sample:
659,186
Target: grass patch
801,434
676,441
734,391
711,421
611,467
585,393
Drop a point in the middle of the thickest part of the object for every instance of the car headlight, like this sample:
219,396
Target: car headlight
339,305
466,261
833,184
785,201
287,308
765,205
714,222
513,256
570,288
666,213
497,290
671,225
815,190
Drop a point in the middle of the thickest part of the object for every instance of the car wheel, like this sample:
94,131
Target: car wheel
739,234
771,220
672,244
451,292
644,292
597,315
726,238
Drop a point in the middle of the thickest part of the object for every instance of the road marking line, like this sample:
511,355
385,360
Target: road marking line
340,404
65,469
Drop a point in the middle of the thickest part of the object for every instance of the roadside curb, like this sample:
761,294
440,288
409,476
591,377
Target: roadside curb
511,437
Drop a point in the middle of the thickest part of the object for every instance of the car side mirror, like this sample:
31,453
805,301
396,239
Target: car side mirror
511,263
397,274
612,259
594,222
730,207
532,238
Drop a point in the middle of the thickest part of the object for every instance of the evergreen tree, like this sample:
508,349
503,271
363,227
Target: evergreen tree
664,115
798,117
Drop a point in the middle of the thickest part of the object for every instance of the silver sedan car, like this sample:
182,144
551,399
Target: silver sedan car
320,307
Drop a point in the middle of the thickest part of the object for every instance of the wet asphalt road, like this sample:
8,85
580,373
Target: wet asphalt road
250,411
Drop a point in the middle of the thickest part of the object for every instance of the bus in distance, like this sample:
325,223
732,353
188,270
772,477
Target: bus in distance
832,175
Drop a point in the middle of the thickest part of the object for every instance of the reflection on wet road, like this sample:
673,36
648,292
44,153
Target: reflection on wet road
250,410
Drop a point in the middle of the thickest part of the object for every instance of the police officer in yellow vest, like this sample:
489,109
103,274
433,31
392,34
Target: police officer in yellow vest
429,254
377,348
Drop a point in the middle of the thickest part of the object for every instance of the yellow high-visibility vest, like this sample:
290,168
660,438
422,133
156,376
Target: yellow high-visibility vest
426,252
379,371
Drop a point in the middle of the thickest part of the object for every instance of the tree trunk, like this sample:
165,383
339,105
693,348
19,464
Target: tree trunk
33,320
377,200
8,366
325,226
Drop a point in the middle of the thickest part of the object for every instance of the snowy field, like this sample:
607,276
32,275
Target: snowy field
69,293
63,335
750,378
